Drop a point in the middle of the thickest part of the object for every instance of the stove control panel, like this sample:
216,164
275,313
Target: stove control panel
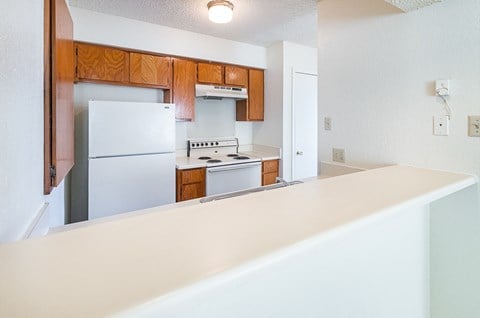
205,143
212,143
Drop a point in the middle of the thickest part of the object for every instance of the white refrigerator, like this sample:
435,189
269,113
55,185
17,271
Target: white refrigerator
131,156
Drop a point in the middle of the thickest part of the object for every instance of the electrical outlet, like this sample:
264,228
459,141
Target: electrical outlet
338,155
441,125
327,123
474,126
442,87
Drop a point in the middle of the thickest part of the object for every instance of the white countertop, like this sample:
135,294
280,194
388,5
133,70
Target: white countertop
114,266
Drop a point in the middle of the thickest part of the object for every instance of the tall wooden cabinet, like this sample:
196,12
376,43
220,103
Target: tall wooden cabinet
182,92
58,93
253,108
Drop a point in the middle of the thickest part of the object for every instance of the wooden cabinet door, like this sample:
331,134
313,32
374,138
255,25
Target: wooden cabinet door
190,184
150,70
236,76
183,89
253,108
58,108
210,73
98,63
270,169
255,94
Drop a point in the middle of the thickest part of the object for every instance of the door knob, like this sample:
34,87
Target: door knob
299,153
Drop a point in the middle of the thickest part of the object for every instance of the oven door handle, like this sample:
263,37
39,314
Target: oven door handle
234,167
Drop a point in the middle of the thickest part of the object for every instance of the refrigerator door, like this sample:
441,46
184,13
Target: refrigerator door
125,128
123,184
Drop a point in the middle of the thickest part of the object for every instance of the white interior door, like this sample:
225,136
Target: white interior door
304,126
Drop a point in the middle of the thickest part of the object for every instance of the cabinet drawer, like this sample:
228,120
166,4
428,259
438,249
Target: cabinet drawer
192,176
270,166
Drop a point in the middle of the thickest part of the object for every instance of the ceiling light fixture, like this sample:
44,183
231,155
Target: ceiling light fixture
220,11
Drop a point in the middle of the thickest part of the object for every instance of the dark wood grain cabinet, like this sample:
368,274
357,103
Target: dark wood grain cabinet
190,184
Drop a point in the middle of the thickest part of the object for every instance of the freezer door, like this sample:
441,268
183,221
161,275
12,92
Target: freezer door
125,128
123,184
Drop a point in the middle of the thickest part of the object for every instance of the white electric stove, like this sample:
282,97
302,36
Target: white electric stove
227,169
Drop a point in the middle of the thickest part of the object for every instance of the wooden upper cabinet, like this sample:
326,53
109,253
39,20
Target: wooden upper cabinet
150,70
210,73
253,108
99,63
183,89
236,76
58,97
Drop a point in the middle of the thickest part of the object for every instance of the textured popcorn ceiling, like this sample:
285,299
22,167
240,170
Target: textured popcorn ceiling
260,22
409,5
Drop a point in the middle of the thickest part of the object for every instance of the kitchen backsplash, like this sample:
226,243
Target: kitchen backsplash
213,118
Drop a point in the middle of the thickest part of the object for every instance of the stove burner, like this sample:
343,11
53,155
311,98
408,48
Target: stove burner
232,155
241,157
204,158
214,161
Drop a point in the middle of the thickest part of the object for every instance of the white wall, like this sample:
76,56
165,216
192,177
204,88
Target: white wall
21,120
376,72
269,132
113,30
455,255
283,59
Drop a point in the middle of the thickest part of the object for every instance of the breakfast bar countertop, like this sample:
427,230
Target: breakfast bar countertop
111,267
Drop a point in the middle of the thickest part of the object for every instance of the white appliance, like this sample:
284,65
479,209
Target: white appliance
226,169
131,156
219,92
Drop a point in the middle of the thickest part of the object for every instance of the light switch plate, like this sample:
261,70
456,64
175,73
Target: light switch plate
441,125
327,123
474,126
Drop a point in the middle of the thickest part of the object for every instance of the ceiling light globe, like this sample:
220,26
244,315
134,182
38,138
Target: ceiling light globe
220,11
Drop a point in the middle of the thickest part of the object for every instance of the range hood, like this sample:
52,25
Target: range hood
219,92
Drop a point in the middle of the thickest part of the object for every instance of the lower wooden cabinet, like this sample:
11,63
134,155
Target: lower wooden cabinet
270,169
190,184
